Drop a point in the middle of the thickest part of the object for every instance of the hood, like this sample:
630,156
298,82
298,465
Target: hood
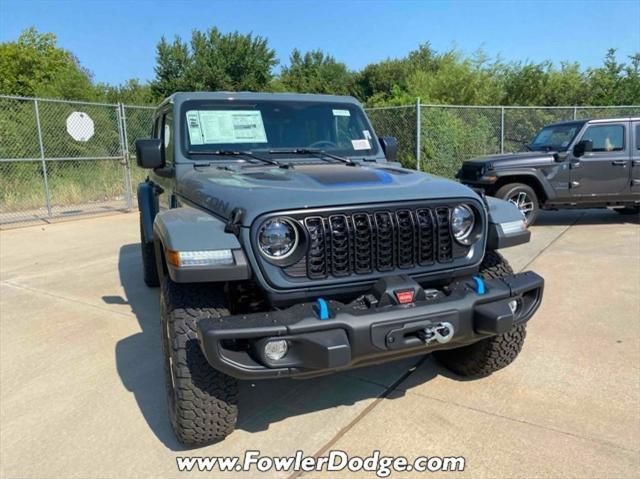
509,160
260,190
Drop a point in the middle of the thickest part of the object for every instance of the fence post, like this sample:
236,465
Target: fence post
501,129
47,193
124,142
575,112
418,134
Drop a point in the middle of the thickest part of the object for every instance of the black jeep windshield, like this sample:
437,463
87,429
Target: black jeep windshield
234,125
555,137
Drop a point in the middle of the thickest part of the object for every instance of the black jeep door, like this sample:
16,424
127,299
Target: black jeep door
603,173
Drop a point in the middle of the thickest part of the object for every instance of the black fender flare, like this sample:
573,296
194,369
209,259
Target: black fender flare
535,174
148,208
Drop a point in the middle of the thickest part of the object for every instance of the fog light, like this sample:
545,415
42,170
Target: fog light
275,350
514,306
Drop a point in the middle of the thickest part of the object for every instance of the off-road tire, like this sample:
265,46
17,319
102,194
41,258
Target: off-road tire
203,402
149,265
491,354
494,266
511,191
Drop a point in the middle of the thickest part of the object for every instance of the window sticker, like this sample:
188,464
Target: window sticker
193,124
341,113
225,126
361,144
366,134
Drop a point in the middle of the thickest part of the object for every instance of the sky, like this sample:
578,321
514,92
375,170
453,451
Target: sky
116,40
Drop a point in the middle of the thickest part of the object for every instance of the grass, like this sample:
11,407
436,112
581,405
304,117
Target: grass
70,183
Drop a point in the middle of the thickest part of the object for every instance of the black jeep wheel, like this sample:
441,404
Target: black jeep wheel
202,401
523,197
491,354
149,266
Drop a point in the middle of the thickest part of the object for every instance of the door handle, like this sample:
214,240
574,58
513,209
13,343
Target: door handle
619,162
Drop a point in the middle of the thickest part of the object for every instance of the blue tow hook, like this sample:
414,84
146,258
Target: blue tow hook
480,289
323,309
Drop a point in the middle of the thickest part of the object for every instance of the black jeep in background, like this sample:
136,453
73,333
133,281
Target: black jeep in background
573,164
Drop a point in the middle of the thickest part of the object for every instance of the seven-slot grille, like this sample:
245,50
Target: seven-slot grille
364,242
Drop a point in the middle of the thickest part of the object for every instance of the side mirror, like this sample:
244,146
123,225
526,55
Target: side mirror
150,154
582,147
390,147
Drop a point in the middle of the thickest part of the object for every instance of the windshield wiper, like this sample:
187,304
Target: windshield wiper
314,152
521,142
246,154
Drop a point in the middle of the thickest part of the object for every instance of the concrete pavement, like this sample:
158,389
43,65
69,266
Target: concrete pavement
81,383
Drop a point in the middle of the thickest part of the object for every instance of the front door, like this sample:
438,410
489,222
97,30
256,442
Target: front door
604,171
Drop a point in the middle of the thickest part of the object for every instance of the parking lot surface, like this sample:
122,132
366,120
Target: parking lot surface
82,393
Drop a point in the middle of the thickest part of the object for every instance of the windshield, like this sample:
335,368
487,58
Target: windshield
338,128
556,137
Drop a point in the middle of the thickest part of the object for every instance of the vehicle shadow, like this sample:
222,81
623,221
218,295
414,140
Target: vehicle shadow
140,367
584,217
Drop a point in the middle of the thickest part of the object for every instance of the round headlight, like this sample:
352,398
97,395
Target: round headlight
462,223
277,238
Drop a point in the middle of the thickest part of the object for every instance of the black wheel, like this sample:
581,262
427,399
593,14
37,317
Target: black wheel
149,265
628,210
523,197
202,401
491,354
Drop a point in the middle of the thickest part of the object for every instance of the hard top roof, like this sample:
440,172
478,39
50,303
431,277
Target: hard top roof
593,120
180,97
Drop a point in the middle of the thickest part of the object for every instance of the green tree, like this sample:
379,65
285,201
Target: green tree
315,72
615,83
34,65
387,82
379,83
454,80
630,88
213,61
131,92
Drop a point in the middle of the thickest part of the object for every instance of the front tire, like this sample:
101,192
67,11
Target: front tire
523,197
203,402
494,353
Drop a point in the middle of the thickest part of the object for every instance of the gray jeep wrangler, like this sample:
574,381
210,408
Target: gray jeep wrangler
287,241
567,165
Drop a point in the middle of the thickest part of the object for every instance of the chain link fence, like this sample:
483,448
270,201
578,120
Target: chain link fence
441,137
62,158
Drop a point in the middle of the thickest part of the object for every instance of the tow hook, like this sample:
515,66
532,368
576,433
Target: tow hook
441,332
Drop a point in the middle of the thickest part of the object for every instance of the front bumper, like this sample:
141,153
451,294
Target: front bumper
356,335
